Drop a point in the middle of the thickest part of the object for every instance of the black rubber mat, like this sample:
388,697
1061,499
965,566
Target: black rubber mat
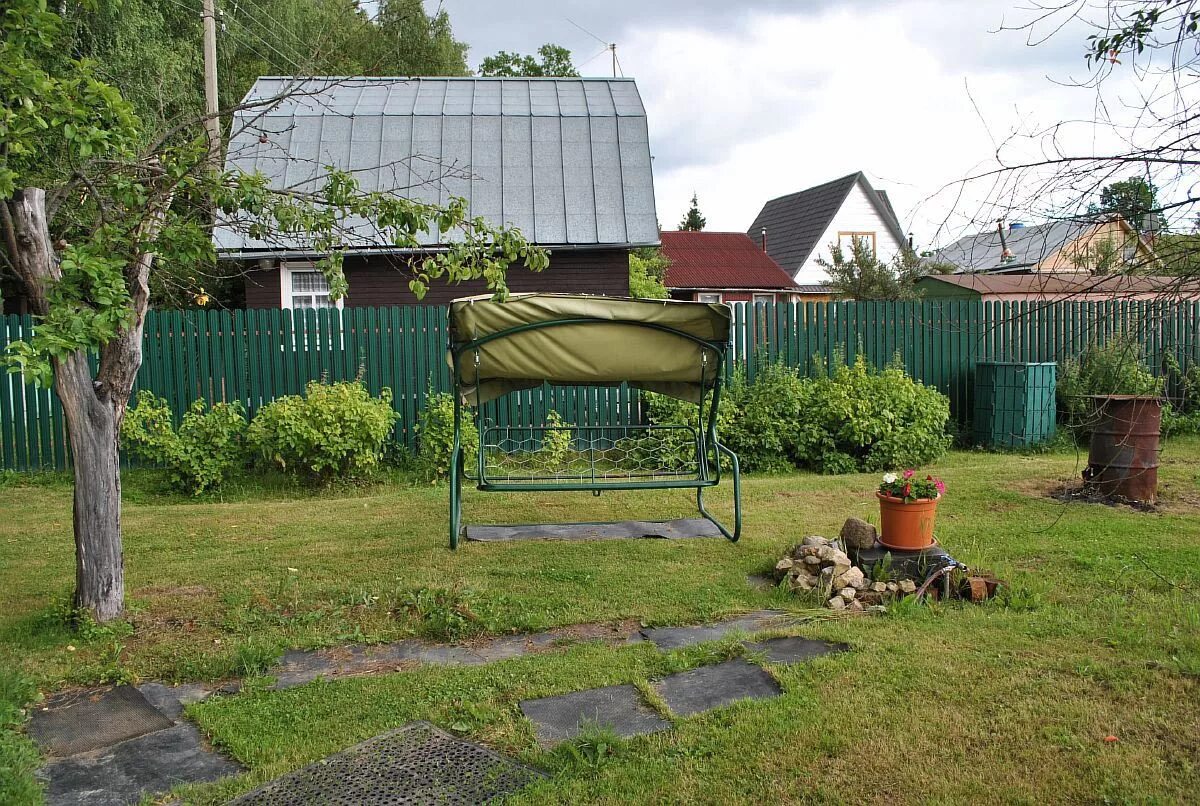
795,649
89,720
668,638
618,708
415,764
679,529
709,687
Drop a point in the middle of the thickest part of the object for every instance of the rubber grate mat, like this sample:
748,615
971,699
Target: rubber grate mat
620,530
84,721
415,764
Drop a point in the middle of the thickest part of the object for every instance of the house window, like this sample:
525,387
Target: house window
846,242
764,298
707,297
302,286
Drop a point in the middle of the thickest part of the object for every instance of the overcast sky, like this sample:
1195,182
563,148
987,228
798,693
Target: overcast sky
751,100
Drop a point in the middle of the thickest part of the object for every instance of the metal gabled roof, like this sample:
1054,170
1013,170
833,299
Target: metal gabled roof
566,160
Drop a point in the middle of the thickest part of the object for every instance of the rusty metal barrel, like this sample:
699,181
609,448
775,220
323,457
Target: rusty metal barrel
1123,459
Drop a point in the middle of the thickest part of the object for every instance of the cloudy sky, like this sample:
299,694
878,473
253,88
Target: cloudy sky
751,100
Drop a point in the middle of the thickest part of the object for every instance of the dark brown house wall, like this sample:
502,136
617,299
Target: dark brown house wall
381,280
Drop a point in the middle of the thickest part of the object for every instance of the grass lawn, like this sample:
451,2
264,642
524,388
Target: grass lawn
1009,701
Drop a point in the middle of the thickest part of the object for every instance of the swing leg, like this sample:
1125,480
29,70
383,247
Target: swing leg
737,498
455,496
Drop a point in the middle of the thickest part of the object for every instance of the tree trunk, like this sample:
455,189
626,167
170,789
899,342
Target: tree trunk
93,427
93,407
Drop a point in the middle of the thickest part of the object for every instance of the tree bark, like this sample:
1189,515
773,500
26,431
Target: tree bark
92,407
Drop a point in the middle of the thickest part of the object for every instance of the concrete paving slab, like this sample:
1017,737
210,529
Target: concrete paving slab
127,772
709,687
668,638
619,708
794,649
81,721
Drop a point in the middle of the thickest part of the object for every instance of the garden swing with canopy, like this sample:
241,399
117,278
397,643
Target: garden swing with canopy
673,348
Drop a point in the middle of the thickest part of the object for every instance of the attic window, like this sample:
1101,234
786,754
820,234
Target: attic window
846,242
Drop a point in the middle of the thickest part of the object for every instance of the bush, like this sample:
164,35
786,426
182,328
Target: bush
857,418
435,437
200,455
556,443
764,426
1116,367
1182,414
334,430
675,448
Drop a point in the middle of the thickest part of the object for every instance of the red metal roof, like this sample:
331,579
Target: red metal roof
720,260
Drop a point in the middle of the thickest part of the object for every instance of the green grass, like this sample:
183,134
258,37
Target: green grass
1012,700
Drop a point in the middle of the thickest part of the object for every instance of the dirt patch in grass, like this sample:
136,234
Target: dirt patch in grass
1171,500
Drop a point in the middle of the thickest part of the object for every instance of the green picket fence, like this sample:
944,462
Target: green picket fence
257,355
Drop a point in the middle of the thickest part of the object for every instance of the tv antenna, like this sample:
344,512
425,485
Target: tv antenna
611,47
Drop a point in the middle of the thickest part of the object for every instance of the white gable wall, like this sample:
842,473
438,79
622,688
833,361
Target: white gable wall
857,214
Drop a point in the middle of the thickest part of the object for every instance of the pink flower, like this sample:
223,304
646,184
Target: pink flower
941,486
908,474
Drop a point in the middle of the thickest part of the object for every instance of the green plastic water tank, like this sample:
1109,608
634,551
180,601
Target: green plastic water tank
1014,403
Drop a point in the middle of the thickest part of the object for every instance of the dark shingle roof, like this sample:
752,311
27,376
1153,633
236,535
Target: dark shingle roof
795,222
1029,245
720,260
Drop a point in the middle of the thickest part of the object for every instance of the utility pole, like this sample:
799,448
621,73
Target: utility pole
613,47
212,121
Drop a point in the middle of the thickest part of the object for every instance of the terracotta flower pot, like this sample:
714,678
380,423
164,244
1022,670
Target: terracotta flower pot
906,526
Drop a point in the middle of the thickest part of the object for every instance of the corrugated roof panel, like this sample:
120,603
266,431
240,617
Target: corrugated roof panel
517,181
577,179
626,100
543,99
571,100
365,140
372,100
460,98
431,96
456,157
606,172
401,98
394,153
485,165
514,97
550,225
641,216
599,100
487,98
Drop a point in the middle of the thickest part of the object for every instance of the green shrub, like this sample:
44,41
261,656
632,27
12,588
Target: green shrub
1181,415
435,437
765,424
1116,367
200,455
335,430
857,418
676,448
556,443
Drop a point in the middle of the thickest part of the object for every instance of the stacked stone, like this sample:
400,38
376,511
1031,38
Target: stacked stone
820,565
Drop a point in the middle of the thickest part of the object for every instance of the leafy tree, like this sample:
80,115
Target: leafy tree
1131,198
85,233
555,61
647,271
862,275
692,220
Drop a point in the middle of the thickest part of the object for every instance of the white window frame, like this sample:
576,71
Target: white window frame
708,296
846,242
757,298
286,270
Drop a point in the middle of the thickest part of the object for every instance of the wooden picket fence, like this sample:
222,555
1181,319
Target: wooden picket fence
256,356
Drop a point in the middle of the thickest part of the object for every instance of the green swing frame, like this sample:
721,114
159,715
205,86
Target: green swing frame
593,472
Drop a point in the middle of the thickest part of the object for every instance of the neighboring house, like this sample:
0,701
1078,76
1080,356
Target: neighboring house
1057,246
724,267
1044,287
801,227
566,160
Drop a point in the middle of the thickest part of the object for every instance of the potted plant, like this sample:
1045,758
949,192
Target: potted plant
907,510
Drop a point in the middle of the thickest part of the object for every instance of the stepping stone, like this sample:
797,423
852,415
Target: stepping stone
414,764
794,650
709,687
678,529
170,700
619,708
668,638
127,772
78,722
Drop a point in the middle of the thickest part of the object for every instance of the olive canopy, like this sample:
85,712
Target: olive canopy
675,348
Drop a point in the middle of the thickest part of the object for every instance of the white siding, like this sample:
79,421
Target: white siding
857,214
